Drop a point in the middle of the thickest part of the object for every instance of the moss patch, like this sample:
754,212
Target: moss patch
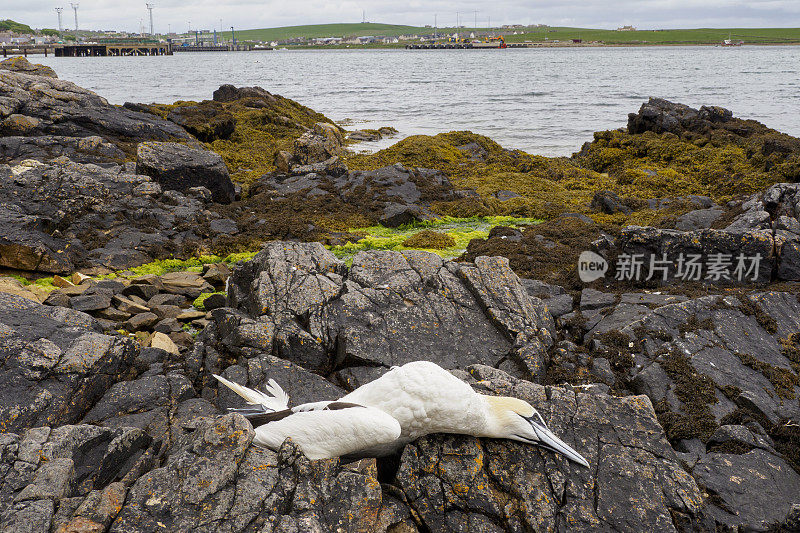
459,231
429,238
198,302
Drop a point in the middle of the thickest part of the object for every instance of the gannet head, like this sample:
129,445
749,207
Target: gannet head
515,419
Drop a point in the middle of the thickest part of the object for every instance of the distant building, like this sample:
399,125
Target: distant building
626,28
328,40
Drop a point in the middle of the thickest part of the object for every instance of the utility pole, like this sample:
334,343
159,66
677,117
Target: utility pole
150,9
476,23
75,9
435,26
457,21
59,10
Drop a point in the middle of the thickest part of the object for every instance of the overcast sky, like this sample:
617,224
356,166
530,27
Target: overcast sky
243,14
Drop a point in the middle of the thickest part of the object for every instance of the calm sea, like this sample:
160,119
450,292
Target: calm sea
545,101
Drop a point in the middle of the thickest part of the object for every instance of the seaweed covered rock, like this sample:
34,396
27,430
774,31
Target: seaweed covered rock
249,126
21,64
672,149
392,195
208,123
179,168
55,363
723,375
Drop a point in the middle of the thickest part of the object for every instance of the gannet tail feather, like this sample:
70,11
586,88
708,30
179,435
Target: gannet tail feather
279,400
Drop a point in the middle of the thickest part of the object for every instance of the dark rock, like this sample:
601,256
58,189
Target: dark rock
749,498
609,202
229,93
178,167
323,143
653,244
698,219
91,302
61,108
65,467
223,225
214,301
283,491
21,64
394,308
216,274
63,216
55,363
661,116
15,147
140,321
592,299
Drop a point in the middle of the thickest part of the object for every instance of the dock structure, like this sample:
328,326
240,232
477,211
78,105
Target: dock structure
214,48
24,50
123,47
112,49
464,46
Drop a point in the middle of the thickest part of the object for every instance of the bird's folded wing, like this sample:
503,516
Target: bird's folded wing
327,433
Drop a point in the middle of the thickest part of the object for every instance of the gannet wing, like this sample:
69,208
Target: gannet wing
343,430
277,402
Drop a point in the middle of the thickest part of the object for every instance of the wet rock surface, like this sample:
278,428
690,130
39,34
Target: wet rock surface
36,105
393,195
63,216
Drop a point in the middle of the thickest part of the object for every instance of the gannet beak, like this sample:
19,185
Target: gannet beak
549,441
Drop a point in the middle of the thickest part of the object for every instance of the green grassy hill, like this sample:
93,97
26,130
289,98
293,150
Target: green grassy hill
688,36
692,36
9,24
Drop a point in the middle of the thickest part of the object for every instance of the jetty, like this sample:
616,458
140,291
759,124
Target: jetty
100,48
465,46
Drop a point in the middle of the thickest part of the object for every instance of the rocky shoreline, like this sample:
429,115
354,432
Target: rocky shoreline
149,246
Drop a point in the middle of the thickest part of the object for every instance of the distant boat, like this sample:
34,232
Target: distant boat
731,42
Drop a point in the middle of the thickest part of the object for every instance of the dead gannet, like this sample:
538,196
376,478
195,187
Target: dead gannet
376,419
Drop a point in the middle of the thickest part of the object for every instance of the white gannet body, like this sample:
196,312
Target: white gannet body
407,402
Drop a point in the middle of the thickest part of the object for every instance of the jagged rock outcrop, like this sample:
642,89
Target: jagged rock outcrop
35,105
68,478
61,216
55,364
391,308
768,227
456,483
723,373
21,64
392,195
